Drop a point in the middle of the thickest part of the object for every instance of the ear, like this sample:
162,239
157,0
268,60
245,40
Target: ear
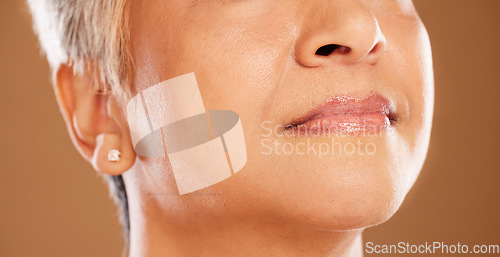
95,121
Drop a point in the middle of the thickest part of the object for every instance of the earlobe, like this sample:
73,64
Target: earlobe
95,121
114,152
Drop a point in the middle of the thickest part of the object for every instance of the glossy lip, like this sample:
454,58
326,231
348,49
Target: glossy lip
347,114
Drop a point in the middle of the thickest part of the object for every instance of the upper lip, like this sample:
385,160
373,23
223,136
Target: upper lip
345,105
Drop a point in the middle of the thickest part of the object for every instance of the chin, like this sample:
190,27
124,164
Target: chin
358,195
331,193
356,208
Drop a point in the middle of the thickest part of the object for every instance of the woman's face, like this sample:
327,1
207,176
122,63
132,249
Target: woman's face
260,59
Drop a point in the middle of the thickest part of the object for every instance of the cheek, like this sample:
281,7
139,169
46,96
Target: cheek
237,60
409,62
410,59
237,64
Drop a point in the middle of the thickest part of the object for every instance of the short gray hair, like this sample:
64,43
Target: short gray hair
83,31
80,32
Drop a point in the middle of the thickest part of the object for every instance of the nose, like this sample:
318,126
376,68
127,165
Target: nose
340,32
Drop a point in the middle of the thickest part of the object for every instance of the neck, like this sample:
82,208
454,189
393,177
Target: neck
156,231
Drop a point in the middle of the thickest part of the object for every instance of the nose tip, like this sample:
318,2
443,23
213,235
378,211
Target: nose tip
343,39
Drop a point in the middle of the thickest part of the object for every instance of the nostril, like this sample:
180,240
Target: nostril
328,49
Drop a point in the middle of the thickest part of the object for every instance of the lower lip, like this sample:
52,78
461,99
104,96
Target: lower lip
350,124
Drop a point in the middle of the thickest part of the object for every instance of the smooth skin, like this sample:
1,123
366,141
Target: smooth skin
258,58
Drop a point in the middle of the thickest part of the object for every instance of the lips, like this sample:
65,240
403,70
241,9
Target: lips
346,114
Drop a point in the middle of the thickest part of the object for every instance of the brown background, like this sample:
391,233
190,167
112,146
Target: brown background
53,204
